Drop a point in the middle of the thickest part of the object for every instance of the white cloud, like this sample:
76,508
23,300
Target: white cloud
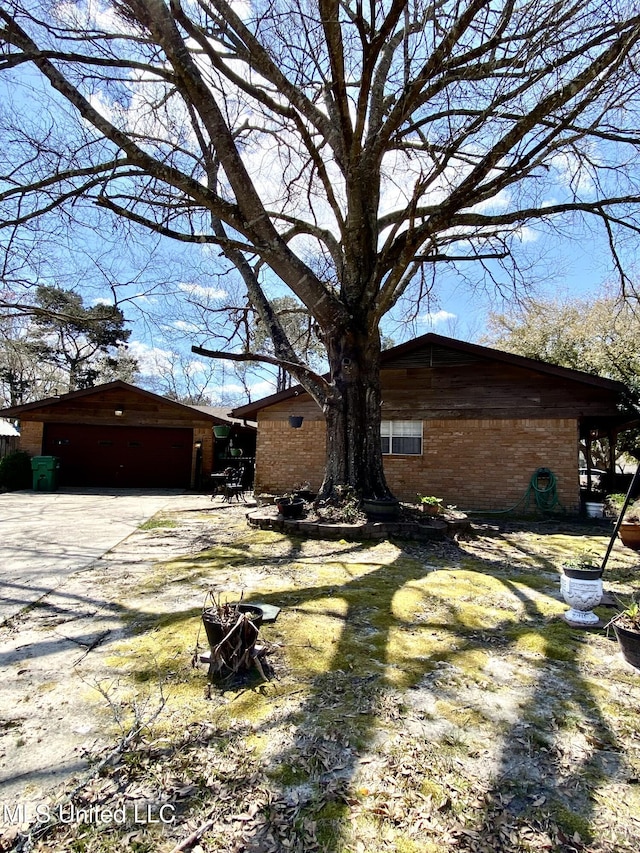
258,389
193,368
152,361
436,318
573,173
526,234
90,15
183,326
262,389
242,8
500,201
102,106
202,292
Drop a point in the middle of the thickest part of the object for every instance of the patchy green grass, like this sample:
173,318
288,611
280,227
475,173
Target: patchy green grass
158,522
424,699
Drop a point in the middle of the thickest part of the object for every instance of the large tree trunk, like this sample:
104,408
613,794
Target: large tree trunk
353,414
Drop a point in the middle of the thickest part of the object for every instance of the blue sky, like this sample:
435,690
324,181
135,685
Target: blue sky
155,282
575,266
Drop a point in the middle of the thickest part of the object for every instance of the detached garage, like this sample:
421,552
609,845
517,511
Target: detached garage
120,455
117,435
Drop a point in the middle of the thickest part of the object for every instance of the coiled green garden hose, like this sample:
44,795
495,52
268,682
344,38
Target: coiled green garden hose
544,494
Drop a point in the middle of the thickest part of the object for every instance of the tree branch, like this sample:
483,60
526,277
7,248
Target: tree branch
313,382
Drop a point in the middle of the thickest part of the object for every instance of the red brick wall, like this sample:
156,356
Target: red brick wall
205,436
287,457
474,464
487,464
31,433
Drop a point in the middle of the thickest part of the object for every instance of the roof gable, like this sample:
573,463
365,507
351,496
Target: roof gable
432,350
111,388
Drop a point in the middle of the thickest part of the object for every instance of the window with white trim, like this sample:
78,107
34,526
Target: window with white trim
401,438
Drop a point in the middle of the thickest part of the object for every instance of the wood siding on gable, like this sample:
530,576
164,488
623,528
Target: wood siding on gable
478,389
303,405
100,407
488,390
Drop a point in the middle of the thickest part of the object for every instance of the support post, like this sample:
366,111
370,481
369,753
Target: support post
627,501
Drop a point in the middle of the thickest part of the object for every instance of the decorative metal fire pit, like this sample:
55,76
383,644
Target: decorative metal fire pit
232,631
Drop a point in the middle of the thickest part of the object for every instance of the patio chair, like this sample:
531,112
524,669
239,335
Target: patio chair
218,481
234,487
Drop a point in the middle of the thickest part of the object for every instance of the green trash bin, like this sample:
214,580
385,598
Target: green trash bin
45,473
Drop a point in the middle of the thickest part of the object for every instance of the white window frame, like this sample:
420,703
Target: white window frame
392,433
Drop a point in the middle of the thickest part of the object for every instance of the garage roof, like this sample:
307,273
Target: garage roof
213,414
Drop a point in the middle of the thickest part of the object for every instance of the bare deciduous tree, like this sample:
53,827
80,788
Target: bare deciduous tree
342,151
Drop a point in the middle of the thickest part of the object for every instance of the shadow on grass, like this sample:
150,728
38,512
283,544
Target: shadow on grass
532,785
430,645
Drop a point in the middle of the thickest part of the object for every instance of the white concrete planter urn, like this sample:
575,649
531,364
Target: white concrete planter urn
581,588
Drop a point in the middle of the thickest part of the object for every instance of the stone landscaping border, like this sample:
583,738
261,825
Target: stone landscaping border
268,518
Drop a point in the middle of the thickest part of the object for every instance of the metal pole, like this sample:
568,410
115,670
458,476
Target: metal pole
626,503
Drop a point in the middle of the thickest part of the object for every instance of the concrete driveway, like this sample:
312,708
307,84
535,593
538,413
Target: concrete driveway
46,536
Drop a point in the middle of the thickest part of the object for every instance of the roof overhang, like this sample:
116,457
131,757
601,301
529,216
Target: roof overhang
397,353
22,412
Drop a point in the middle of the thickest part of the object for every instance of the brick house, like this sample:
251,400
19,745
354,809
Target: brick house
119,435
464,422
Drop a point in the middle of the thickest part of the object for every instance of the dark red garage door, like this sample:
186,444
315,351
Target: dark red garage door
129,457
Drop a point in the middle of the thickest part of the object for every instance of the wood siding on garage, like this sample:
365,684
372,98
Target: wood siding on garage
120,456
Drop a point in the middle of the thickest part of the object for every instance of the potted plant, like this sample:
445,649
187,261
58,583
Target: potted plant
232,631
221,431
581,588
429,504
629,529
304,491
627,629
613,504
290,506
381,509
